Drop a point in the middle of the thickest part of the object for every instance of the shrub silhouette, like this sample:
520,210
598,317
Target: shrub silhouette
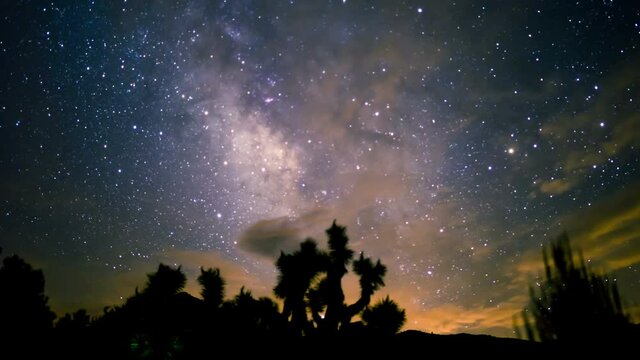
573,303
384,318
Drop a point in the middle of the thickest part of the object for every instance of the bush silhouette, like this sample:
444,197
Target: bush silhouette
573,303
384,318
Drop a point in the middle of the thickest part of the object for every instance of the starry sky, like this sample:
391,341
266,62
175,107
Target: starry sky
452,138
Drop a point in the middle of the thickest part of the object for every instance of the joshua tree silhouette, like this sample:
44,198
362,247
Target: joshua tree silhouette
212,287
316,276
297,271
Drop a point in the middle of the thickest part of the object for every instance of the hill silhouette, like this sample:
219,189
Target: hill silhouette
161,321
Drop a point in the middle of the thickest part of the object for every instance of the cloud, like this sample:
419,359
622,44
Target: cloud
608,124
609,232
451,318
367,189
556,186
268,238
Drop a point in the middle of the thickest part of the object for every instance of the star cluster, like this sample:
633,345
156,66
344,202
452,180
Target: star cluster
454,139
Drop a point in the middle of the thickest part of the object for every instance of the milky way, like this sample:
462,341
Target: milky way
453,139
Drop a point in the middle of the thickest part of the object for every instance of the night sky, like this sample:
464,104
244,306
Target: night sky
452,138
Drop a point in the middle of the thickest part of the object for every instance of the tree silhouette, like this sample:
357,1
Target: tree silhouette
73,335
74,323
339,257
300,279
165,282
163,322
384,318
297,271
212,287
23,305
253,318
158,317
371,279
573,303
25,318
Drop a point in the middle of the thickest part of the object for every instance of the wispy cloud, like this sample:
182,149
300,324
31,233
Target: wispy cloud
610,120
454,318
609,232
556,186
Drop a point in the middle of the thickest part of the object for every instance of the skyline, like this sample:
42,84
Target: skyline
452,139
